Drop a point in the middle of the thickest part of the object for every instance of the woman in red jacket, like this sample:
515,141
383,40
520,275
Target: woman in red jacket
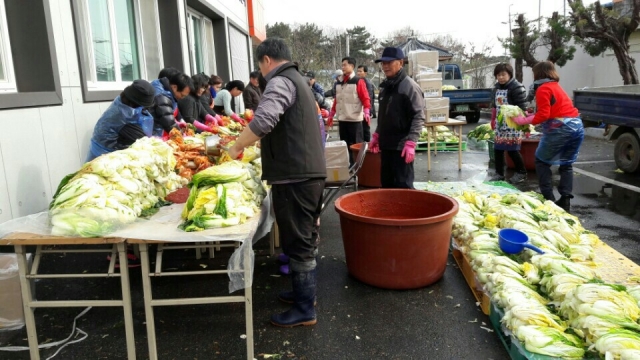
562,133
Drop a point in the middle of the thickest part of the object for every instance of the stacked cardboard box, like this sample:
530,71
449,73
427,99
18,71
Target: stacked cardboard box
337,160
436,110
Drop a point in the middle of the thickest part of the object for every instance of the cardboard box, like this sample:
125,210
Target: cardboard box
337,173
431,88
427,76
336,154
436,110
424,61
11,311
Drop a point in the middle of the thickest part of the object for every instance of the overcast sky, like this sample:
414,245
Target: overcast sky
472,21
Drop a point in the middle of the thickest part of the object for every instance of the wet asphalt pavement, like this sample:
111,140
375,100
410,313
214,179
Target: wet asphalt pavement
355,321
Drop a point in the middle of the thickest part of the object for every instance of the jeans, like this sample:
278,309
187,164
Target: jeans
565,187
297,208
515,156
394,171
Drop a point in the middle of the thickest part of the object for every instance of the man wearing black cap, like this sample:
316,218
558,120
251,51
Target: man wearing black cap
125,121
400,120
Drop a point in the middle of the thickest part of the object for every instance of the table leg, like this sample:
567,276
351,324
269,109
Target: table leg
248,301
148,309
460,148
429,149
126,301
27,299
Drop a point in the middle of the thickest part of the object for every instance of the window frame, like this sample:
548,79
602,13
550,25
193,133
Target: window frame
9,86
119,84
209,62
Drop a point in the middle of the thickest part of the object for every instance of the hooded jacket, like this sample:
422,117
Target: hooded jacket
164,106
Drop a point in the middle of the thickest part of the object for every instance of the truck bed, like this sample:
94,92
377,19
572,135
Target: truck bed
616,105
468,96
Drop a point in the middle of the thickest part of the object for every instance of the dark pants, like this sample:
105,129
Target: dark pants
351,133
515,156
546,185
297,207
366,131
394,171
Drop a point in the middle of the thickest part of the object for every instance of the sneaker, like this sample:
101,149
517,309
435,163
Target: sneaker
132,260
496,177
518,178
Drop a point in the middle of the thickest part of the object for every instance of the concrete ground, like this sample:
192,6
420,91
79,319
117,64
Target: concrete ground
355,321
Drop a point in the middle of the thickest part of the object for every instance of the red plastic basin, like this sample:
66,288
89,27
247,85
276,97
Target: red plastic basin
369,175
396,238
528,151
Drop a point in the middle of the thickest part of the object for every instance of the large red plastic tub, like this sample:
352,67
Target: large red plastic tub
369,175
396,238
528,151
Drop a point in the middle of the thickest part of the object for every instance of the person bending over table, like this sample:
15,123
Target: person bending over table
286,123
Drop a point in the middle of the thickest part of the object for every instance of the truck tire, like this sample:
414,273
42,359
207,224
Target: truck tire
473,117
627,153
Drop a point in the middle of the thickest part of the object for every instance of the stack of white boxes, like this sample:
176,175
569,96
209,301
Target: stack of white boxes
336,155
424,69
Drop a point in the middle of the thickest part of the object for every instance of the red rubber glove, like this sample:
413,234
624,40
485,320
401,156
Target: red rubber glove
218,120
330,120
202,127
374,145
494,112
324,113
521,120
182,124
409,151
367,116
238,119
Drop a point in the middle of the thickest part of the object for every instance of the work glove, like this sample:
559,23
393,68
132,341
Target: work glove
324,113
210,120
367,116
374,145
202,127
409,151
494,112
521,120
238,119
330,119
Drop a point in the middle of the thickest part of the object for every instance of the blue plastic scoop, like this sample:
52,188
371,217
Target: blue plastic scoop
513,241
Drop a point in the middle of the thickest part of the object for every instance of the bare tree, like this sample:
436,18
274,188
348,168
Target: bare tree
479,63
598,29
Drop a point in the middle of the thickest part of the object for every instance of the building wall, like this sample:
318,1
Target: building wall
41,145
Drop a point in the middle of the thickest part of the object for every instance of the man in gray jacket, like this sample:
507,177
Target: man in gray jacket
400,120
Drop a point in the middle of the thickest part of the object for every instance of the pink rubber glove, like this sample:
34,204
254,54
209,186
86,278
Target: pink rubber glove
494,112
367,116
409,151
238,119
324,113
521,120
374,145
182,124
218,120
202,127
210,120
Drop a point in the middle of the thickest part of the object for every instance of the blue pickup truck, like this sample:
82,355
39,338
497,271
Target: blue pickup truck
618,107
467,102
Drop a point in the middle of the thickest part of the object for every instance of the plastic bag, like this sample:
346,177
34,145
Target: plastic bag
560,141
11,312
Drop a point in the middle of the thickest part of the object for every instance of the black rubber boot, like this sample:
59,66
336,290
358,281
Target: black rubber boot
565,203
303,311
288,297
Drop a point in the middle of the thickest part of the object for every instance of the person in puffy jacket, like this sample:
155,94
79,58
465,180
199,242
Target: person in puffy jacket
507,91
125,121
562,133
168,92
190,107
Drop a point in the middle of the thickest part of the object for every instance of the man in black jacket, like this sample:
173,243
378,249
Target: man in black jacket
252,93
366,128
168,92
400,122
286,123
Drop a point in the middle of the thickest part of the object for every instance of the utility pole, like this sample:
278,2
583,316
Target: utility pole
510,22
539,14
564,8
347,44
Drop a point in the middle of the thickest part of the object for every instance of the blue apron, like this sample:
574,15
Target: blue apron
561,140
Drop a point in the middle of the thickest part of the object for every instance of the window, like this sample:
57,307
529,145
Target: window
113,48
239,44
201,43
7,80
